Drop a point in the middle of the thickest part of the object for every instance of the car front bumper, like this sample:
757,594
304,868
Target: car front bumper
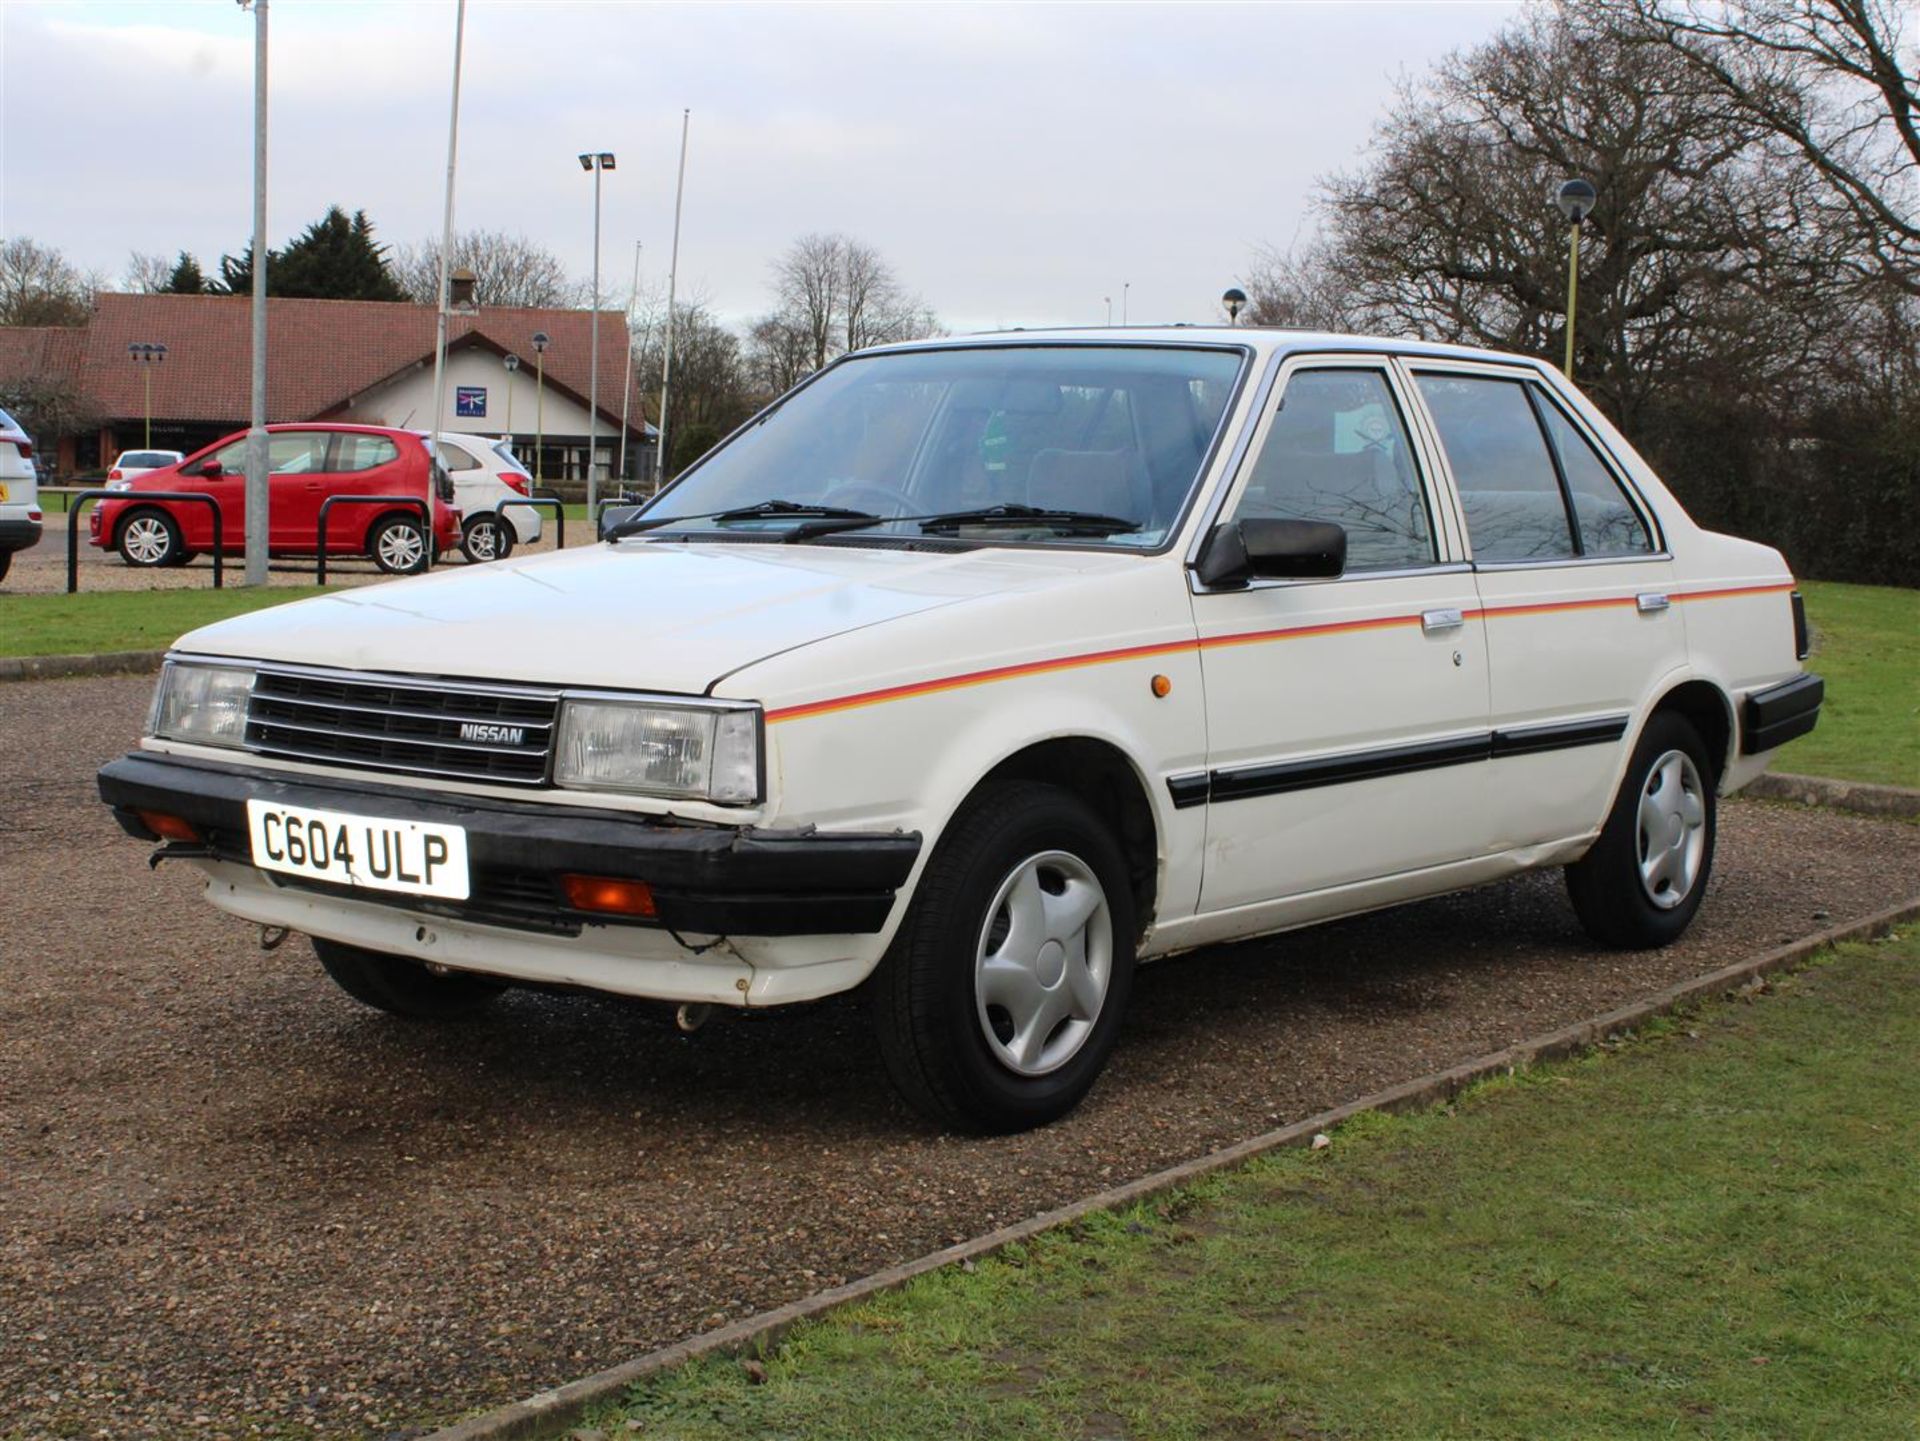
706,880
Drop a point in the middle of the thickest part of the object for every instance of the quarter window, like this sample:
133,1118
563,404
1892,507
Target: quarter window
299,452
364,452
1609,525
1508,486
1337,451
456,458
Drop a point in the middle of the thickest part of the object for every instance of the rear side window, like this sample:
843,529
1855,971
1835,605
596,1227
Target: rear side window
1337,451
457,458
299,452
364,452
1505,474
1609,525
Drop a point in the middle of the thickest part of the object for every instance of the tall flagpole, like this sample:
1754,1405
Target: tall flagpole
626,389
673,276
446,244
256,486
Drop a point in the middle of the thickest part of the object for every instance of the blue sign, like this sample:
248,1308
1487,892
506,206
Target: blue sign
470,401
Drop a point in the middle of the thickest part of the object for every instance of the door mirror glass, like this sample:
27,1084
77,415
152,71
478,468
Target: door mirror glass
1239,550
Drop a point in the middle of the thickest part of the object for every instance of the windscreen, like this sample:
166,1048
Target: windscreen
1015,441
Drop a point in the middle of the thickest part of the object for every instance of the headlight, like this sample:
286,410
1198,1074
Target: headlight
204,704
695,752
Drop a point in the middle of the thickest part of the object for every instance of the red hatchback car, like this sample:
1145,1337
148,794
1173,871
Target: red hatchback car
306,465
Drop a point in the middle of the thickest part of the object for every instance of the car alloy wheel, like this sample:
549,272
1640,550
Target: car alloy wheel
400,548
1043,963
147,539
485,538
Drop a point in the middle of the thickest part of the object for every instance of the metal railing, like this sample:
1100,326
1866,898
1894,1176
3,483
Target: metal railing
412,501
534,502
137,498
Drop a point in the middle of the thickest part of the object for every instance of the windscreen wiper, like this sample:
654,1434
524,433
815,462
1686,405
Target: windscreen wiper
757,511
1092,522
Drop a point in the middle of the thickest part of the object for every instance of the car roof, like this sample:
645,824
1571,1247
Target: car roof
1271,339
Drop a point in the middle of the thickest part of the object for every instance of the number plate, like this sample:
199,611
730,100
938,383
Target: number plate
381,855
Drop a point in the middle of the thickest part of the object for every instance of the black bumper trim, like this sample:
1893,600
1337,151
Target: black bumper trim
714,880
19,534
1780,713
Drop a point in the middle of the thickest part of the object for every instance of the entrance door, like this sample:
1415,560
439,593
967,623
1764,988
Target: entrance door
1347,718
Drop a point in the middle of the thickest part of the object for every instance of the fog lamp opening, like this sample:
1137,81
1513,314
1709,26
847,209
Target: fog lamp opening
609,894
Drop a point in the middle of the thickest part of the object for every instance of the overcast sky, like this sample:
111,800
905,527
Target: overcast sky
1016,164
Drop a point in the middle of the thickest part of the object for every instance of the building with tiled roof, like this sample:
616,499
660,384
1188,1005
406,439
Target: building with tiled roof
365,361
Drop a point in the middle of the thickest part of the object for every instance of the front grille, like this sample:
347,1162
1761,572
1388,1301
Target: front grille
393,723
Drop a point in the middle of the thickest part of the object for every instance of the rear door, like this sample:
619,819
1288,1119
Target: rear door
1575,585
1346,718
364,464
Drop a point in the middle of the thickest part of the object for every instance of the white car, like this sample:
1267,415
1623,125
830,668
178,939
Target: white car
485,473
20,518
131,464
976,672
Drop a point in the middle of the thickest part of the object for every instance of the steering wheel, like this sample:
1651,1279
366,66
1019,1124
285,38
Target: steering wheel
864,495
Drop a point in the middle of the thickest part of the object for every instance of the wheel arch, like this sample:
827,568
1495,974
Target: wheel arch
1105,777
1709,710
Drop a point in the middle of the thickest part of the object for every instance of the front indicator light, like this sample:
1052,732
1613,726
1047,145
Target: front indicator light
169,827
609,895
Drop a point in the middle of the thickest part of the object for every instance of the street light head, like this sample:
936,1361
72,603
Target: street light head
606,160
512,363
1235,300
541,340
586,162
1576,200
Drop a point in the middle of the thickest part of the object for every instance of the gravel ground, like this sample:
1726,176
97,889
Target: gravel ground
42,570
233,1202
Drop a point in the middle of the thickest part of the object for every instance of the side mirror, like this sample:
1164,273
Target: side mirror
211,470
1239,550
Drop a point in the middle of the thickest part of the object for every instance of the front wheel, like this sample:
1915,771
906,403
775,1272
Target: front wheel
1642,882
486,537
1001,998
151,538
398,546
401,987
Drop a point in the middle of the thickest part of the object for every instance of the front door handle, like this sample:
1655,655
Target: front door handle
1651,602
1433,622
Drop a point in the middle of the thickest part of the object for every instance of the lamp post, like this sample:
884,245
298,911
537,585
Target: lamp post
599,162
626,385
257,494
512,363
1235,301
541,340
146,356
1575,199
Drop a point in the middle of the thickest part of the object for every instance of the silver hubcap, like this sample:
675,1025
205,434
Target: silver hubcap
1043,963
401,547
1673,830
146,540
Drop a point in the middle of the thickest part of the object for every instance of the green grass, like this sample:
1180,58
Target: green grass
1710,1230
1866,642
111,620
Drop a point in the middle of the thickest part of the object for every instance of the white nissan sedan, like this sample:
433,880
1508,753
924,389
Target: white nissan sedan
976,673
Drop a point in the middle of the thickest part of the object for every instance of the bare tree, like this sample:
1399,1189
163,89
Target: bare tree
509,270
147,274
834,294
1833,86
712,390
38,286
1295,288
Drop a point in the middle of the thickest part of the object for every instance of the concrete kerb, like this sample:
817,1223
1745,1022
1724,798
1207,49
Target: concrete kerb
544,1415
1898,802
60,667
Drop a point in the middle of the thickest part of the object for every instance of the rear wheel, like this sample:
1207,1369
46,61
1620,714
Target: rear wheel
151,538
402,987
1002,996
1642,882
6,563
398,545
486,537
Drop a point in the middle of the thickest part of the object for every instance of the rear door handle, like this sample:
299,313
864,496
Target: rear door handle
1435,621
1652,602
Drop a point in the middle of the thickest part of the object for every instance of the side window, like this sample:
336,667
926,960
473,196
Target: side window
1508,486
232,459
364,452
298,452
455,458
1337,451
1609,525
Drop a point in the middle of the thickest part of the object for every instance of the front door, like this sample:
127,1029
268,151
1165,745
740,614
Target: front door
1347,718
296,484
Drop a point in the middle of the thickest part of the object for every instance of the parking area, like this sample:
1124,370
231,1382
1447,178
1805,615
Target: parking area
233,1202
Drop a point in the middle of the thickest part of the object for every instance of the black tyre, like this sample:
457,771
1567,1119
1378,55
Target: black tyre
402,987
6,563
150,537
486,536
1001,998
398,545
1640,885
